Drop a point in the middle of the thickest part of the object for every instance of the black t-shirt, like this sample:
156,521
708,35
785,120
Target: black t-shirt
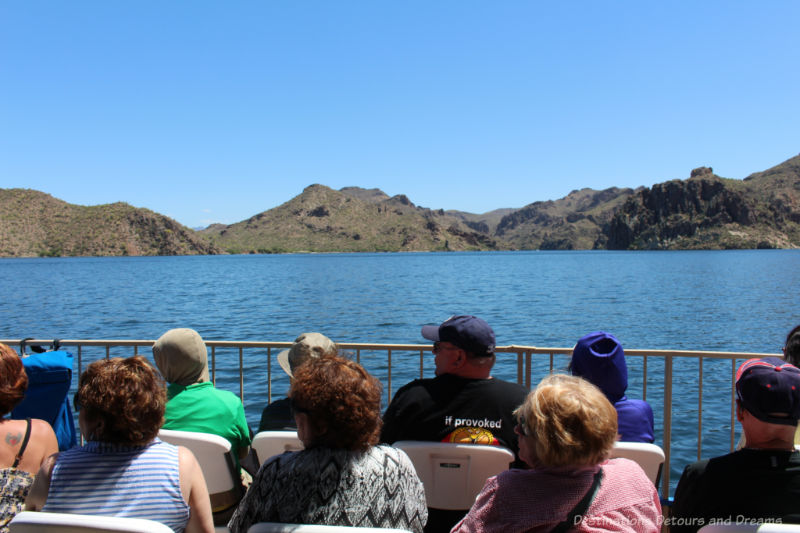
743,486
277,416
449,408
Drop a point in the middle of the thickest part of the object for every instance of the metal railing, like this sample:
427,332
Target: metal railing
526,357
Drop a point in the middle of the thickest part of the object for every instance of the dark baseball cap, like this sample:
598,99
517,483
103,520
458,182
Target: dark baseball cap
769,389
468,332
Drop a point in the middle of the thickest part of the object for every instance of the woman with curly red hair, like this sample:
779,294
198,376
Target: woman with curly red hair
24,444
124,469
342,477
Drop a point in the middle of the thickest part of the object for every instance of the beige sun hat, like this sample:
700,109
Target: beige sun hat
306,346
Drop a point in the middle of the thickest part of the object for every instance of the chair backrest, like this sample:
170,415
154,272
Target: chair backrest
49,379
274,527
453,474
749,528
649,456
35,522
212,452
269,443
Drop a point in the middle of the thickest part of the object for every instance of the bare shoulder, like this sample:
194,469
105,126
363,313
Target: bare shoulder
40,428
185,455
187,462
44,437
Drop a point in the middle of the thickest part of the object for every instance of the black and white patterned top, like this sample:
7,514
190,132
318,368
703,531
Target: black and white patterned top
376,488
14,487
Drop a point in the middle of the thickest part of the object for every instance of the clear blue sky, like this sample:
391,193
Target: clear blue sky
215,111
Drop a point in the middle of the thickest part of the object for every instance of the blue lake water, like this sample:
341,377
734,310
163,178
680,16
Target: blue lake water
695,300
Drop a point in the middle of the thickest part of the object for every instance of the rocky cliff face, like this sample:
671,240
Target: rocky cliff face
710,212
574,222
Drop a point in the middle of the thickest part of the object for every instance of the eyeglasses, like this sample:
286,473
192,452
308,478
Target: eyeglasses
522,428
438,347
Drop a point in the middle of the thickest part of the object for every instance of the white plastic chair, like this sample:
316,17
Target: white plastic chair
649,456
213,453
35,522
274,527
453,474
269,443
750,528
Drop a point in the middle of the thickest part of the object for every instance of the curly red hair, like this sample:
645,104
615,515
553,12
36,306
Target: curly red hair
127,395
342,400
13,379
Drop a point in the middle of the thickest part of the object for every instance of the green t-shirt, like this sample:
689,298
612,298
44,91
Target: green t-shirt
201,407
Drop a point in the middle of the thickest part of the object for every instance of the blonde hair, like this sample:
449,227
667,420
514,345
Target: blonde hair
570,421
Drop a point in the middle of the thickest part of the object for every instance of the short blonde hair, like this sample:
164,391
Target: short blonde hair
570,421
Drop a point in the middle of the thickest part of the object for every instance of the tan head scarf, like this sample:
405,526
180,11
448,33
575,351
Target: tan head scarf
181,357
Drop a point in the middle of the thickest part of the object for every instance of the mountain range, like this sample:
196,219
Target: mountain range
703,211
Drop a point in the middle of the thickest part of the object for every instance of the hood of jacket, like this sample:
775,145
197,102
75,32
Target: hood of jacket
599,358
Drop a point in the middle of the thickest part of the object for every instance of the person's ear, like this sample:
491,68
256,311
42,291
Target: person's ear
739,411
460,359
97,430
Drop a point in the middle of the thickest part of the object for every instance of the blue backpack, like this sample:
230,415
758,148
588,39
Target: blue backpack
49,380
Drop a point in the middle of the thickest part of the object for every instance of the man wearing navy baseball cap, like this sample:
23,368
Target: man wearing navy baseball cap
762,481
463,403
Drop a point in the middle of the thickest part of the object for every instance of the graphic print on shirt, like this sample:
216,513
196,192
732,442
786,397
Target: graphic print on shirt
472,431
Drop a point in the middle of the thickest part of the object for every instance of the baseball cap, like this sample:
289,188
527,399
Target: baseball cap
769,389
468,332
306,346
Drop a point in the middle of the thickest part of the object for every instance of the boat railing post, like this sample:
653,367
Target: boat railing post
80,359
667,423
528,365
733,403
269,374
644,378
700,409
241,374
214,365
389,376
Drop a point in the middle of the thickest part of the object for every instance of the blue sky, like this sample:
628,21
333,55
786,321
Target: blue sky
215,111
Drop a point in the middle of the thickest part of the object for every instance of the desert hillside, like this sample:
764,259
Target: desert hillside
33,223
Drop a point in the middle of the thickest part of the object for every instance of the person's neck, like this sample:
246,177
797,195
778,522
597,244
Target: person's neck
474,373
775,443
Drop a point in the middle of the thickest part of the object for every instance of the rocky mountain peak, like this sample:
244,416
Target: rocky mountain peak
702,172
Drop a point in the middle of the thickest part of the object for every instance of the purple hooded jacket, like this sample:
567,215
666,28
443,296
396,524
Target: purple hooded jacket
598,357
